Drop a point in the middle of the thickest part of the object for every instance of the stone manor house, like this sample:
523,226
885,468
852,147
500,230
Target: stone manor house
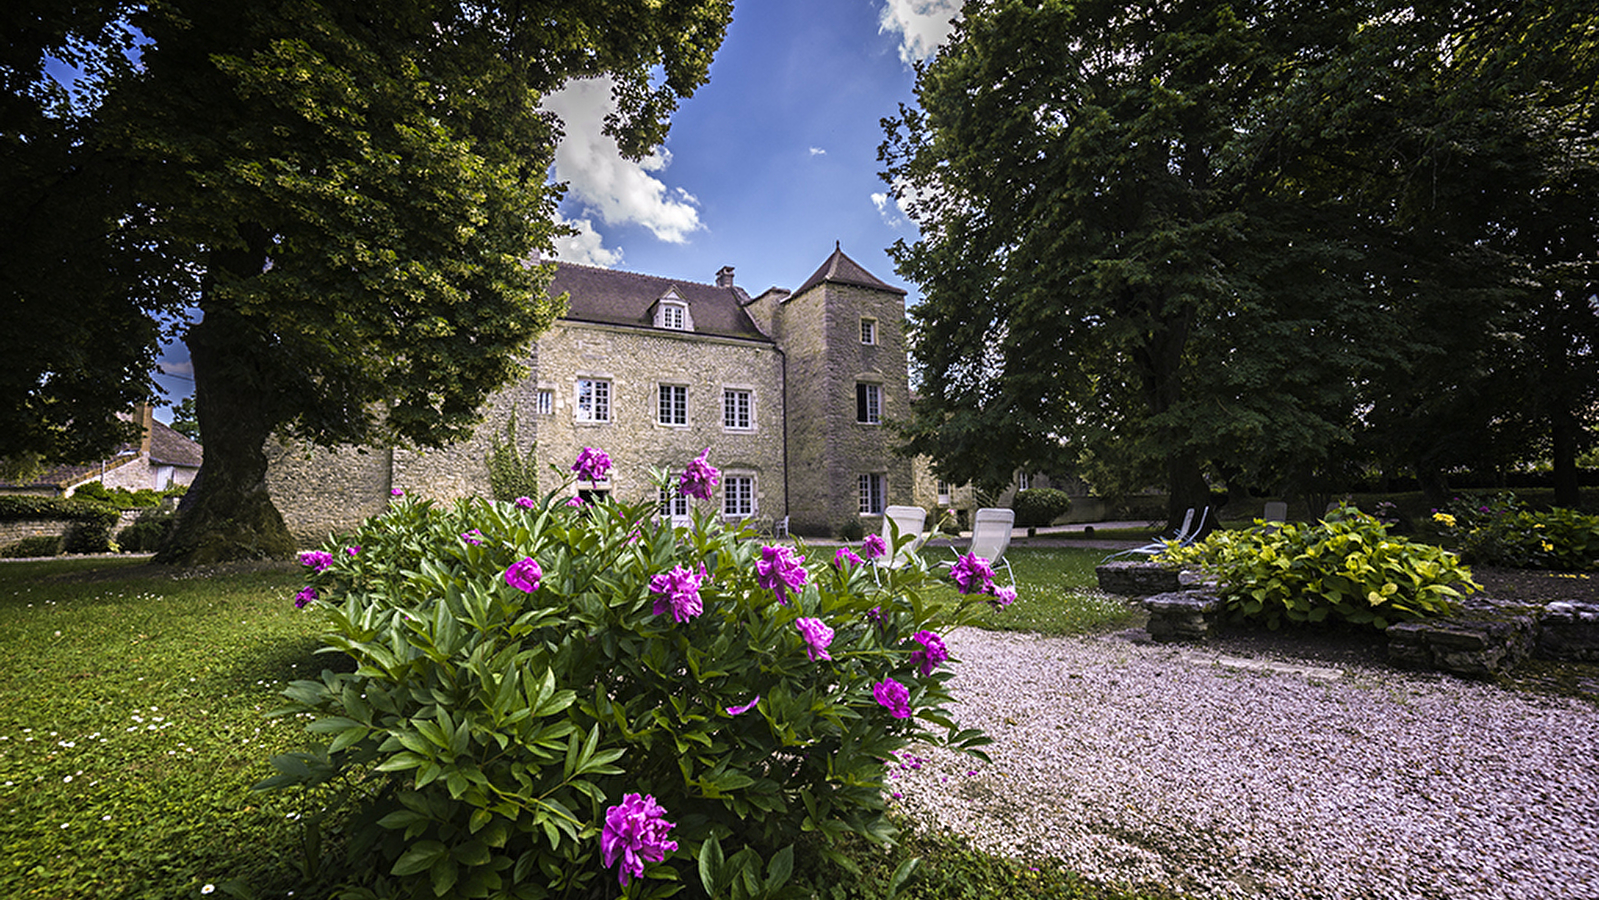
790,390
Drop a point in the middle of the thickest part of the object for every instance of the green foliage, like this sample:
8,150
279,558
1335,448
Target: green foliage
145,533
1345,568
124,499
486,729
1500,531
19,507
512,473
852,530
1038,507
44,545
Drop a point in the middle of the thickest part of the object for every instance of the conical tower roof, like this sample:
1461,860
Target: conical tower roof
840,269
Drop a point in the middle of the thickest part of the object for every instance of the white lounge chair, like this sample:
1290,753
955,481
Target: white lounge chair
1187,534
991,532
780,528
900,522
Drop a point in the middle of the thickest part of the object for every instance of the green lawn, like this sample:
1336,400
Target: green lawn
132,729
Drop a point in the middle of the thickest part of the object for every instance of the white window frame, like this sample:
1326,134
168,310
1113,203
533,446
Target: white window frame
675,507
673,411
868,403
674,316
868,331
945,492
873,487
544,401
731,419
596,407
738,496
1024,481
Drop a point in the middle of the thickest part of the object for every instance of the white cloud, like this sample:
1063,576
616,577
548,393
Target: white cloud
619,190
586,247
178,368
818,151
921,24
881,202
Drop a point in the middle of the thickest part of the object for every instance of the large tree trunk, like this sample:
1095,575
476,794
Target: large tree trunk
1563,434
227,513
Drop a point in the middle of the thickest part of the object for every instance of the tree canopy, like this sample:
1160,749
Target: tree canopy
349,194
1193,239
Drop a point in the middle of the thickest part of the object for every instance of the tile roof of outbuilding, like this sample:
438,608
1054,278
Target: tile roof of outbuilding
840,269
170,448
615,297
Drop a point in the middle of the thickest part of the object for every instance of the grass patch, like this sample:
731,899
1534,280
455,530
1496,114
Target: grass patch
132,730
1056,593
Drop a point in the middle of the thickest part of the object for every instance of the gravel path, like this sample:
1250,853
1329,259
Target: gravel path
1225,777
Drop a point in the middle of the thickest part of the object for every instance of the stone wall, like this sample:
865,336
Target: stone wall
820,330
637,363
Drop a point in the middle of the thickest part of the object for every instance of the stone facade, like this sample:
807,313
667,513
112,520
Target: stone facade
653,371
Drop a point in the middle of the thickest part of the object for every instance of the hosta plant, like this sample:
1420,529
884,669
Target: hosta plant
562,699
1344,568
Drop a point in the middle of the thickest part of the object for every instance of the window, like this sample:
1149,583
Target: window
738,495
546,402
944,490
1024,481
672,316
736,407
593,400
868,403
868,331
872,494
674,507
674,405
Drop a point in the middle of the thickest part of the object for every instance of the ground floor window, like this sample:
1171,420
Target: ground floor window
674,506
872,491
738,495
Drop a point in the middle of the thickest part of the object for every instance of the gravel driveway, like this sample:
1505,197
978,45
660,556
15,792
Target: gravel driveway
1232,777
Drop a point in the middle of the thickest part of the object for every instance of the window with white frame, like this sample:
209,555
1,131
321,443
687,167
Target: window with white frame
546,402
872,490
868,331
738,496
1024,481
593,400
673,405
738,409
868,403
674,505
944,491
674,316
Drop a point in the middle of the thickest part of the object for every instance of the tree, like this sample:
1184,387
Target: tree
357,188
184,420
1463,138
80,338
1099,271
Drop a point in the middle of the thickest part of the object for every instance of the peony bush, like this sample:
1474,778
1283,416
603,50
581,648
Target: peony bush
581,700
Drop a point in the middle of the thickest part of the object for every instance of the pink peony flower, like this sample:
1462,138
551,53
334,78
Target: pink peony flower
779,571
635,833
972,574
525,502
352,550
932,653
592,465
680,593
740,710
306,595
316,559
699,478
576,501
893,696
524,575
396,492
817,636
1002,597
874,546
473,537
845,557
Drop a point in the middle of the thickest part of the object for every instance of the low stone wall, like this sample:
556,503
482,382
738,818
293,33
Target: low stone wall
1485,639
22,529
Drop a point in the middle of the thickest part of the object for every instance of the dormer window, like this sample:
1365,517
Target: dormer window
671,312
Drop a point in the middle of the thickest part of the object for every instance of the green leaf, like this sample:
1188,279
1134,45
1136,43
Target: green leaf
419,857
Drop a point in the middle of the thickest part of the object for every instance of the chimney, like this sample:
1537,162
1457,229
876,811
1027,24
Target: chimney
145,412
724,277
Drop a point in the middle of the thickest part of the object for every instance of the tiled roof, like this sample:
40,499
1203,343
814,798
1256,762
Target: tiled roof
840,269
615,297
169,448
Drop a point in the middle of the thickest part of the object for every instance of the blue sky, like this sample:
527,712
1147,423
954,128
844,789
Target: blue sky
766,165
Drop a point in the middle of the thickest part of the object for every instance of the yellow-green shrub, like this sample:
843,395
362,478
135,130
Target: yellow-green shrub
1346,567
